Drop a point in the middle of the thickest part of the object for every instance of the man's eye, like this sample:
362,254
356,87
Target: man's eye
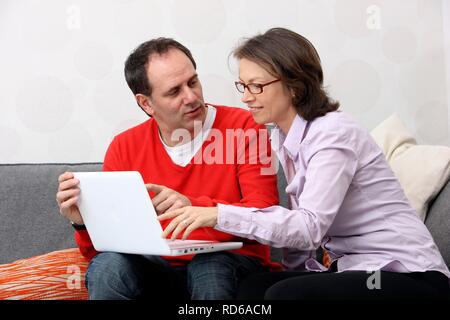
193,82
173,92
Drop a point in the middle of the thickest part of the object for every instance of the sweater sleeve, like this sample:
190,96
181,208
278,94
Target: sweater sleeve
255,172
85,244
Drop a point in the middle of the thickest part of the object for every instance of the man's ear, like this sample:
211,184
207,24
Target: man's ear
145,104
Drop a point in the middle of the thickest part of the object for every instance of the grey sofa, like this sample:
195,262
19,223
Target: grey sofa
31,224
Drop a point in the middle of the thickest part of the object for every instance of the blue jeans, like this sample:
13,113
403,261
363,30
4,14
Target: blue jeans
212,276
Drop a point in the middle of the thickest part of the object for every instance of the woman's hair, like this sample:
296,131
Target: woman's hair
292,58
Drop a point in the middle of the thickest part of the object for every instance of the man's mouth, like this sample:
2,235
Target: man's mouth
194,110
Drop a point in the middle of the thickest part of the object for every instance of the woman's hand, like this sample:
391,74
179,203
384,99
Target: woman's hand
188,219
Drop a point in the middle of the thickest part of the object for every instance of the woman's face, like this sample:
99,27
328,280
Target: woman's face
274,103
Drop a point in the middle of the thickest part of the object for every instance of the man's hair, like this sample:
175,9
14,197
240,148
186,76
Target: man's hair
292,58
136,63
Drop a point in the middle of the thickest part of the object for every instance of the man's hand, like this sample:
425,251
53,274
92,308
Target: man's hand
189,219
166,199
67,197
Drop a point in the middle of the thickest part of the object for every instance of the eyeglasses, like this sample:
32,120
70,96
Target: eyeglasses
254,88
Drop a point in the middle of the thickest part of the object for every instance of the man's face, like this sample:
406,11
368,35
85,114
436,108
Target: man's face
177,99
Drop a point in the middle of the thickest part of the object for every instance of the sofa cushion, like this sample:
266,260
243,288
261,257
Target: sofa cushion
57,275
31,223
438,222
422,170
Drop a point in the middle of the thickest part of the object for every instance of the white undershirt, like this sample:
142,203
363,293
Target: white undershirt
182,154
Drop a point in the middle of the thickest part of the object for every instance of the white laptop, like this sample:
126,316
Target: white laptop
120,217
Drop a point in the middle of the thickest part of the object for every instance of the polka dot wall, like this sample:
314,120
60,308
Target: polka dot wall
63,96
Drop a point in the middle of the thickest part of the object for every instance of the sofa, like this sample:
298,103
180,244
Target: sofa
38,254
39,258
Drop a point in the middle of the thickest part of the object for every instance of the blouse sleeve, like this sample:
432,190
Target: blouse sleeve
330,170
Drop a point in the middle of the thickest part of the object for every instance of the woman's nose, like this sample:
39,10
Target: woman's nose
247,96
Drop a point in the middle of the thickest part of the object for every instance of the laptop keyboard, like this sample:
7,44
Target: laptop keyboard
186,243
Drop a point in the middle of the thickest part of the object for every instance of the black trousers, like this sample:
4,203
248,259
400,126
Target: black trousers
344,285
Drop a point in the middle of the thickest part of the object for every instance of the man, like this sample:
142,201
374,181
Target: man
174,157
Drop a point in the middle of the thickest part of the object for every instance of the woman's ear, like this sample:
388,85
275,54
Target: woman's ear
293,95
298,92
145,104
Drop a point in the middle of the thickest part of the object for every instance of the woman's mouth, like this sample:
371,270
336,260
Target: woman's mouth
255,109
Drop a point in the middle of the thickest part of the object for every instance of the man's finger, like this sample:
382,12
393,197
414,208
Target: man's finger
68,184
65,176
175,205
63,196
158,198
67,204
163,206
156,188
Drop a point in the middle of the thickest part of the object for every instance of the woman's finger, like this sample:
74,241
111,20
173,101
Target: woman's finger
171,214
193,226
172,225
183,224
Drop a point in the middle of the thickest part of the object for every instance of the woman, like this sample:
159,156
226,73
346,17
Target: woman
343,195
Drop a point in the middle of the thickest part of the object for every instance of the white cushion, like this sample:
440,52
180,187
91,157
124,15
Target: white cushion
421,169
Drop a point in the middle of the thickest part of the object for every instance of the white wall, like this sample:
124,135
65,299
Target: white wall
63,95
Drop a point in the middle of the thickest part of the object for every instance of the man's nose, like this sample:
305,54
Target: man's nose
189,96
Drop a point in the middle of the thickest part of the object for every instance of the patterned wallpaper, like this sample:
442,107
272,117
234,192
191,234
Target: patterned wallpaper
63,95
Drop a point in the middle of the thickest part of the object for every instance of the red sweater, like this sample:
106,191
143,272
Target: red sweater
205,184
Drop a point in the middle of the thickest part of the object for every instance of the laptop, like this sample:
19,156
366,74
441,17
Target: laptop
119,216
